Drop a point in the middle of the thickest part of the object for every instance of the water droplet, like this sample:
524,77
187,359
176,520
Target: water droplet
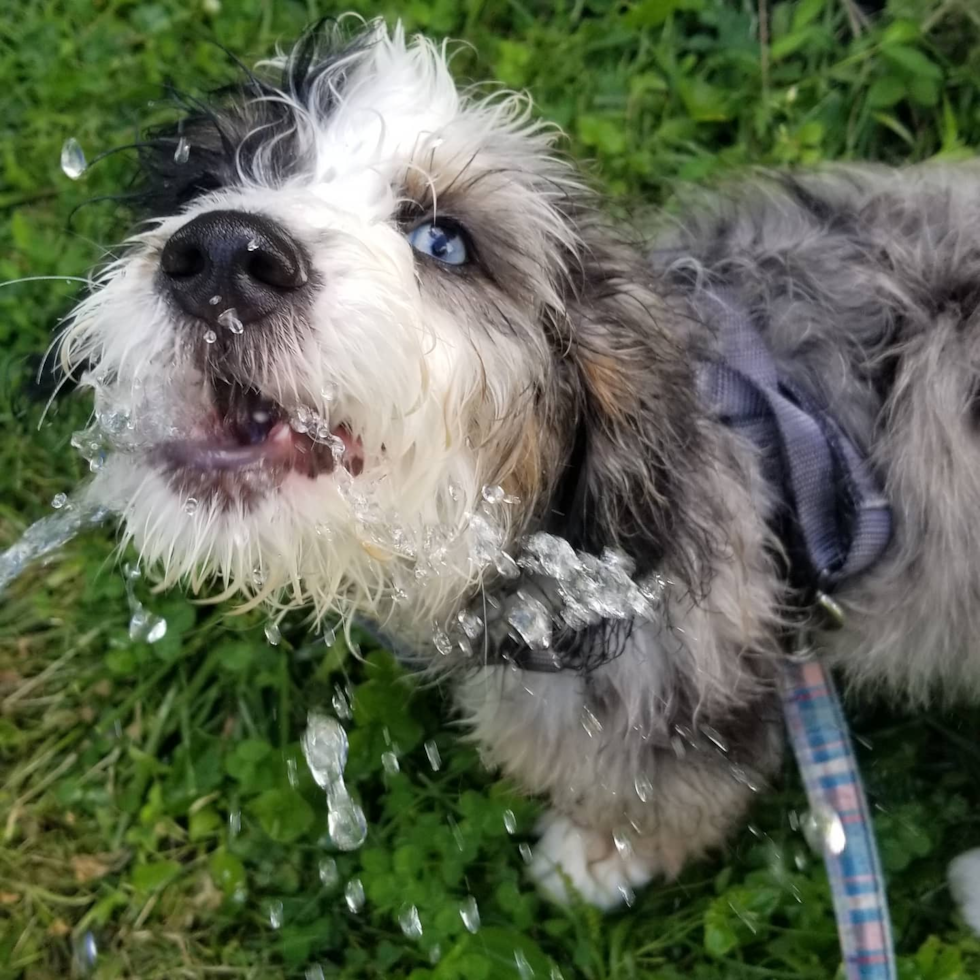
524,968
435,954
432,754
715,737
346,823
442,642
824,831
235,823
389,762
329,875
190,505
590,723
329,392
341,705
144,625
215,300
274,912
230,320
73,159
272,634
455,491
59,500
410,923
210,336
314,972
471,623
506,566
493,495
85,952
292,776
624,846
253,245
643,787
510,822
531,619
524,850
469,912
457,833
182,151
324,746
555,974
354,895
157,628
628,895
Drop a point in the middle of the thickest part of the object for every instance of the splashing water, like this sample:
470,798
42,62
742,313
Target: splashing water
230,320
85,952
73,163
469,912
325,749
274,911
272,635
329,875
824,830
354,895
314,972
410,923
47,535
183,151
432,754
524,969
510,822
143,624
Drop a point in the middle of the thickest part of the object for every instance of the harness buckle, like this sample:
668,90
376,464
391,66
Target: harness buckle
832,610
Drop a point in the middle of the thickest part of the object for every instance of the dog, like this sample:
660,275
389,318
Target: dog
378,353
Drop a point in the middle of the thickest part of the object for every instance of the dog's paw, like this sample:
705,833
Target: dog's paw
964,883
603,874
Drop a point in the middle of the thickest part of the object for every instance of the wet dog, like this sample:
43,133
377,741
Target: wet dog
377,352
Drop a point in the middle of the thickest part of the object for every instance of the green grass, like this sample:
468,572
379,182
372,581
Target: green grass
126,769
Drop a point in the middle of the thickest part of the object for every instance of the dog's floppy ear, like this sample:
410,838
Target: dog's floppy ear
633,397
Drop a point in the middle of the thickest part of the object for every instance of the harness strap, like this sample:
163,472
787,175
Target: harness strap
843,522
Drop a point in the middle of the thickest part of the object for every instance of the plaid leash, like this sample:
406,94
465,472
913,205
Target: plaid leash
825,756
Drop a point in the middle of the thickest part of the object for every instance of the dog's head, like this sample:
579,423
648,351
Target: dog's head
371,334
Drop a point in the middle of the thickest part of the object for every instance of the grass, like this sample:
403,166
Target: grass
152,800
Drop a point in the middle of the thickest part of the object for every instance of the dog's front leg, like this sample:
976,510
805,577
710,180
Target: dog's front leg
640,779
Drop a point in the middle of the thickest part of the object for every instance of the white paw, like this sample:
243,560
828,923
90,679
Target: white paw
597,870
964,883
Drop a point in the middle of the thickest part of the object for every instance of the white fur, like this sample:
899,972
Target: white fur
964,884
410,375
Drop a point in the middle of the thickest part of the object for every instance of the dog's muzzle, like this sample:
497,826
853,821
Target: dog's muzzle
225,261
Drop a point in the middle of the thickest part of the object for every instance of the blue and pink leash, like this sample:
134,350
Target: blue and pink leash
828,766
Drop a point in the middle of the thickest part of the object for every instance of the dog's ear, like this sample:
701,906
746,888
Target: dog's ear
633,397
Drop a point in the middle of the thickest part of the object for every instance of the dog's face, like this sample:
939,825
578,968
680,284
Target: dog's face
338,366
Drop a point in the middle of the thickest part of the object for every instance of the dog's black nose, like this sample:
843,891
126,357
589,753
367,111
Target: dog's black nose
232,260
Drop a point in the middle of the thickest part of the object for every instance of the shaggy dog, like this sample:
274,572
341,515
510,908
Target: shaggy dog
377,353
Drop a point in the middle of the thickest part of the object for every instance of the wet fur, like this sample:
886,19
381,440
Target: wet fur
582,402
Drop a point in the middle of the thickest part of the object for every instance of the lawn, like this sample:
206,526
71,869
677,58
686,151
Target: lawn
157,818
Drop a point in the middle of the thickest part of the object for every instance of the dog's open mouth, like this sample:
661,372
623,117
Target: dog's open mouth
247,432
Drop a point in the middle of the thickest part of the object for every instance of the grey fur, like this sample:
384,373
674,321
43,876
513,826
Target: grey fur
866,285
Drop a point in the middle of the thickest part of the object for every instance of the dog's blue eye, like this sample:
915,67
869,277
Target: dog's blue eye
442,242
